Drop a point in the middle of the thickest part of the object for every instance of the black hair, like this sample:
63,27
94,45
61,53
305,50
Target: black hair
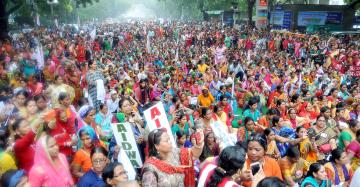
267,131
257,137
62,96
299,128
121,102
314,168
270,182
252,101
340,105
231,159
324,109
275,120
294,98
247,119
278,102
108,172
352,123
320,117
204,111
98,149
358,133
332,90
154,138
293,152
101,106
40,96
273,112
222,97
336,154
17,123
22,92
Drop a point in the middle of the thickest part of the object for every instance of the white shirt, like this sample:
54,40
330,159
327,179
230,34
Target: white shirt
113,106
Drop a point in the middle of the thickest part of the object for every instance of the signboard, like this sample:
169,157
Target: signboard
357,19
261,14
125,139
334,18
311,18
156,118
277,18
263,3
287,21
228,18
222,135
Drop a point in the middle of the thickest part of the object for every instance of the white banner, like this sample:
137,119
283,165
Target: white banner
220,132
125,139
156,118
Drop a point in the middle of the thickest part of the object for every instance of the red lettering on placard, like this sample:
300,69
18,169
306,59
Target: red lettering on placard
154,112
157,122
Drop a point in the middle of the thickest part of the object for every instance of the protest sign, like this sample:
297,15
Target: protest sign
125,139
156,118
220,132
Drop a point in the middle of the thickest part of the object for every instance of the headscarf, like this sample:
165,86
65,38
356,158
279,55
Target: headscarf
91,132
84,111
55,176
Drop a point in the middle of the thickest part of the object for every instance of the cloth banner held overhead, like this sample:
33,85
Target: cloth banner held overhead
156,118
129,154
39,56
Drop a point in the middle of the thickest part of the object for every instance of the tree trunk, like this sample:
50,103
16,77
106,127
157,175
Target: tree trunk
3,20
250,7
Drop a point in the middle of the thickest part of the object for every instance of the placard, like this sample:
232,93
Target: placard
156,118
220,132
125,139
311,18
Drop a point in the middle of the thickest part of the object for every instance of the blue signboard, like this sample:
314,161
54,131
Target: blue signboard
334,18
357,19
287,21
228,18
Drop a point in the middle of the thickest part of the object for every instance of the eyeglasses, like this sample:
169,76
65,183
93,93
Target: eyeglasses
99,161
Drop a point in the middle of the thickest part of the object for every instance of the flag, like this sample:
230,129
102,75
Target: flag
56,23
93,34
39,56
148,43
37,19
78,21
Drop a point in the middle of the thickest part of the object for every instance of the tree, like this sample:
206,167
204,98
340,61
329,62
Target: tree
8,7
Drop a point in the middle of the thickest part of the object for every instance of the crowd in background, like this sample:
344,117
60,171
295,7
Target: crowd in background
289,102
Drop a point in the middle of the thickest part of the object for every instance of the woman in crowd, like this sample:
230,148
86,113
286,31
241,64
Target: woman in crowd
308,148
30,113
180,123
50,167
347,134
63,132
338,170
128,114
249,128
353,151
293,167
272,150
93,177
256,149
82,160
324,137
168,166
316,177
58,87
103,122
41,103
295,120
114,174
19,105
95,81
24,144
230,164
211,147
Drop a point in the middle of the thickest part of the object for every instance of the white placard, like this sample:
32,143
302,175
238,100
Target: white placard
225,139
156,118
125,139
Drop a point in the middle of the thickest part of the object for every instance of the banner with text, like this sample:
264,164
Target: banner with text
156,118
125,139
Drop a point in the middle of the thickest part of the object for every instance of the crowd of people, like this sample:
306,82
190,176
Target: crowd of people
287,104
